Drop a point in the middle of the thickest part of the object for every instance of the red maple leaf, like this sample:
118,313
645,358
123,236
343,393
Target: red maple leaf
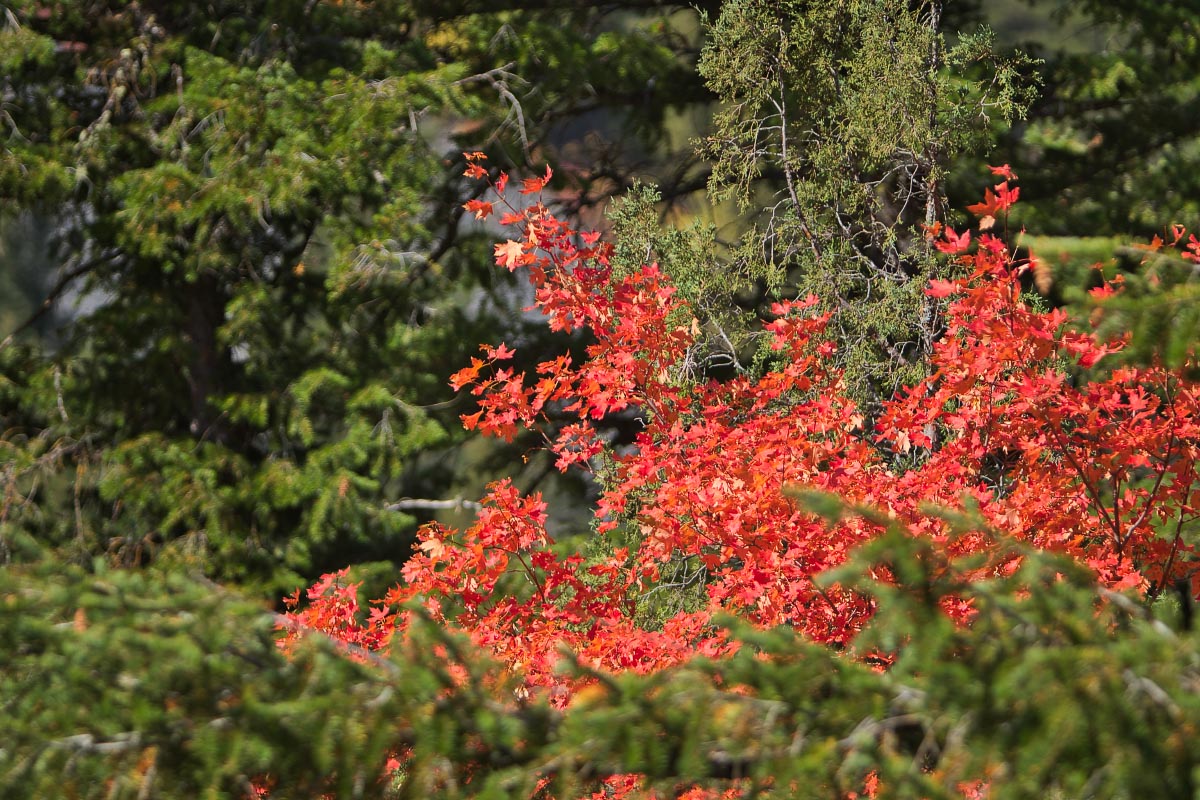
1005,171
940,288
535,185
480,208
990,206
954,243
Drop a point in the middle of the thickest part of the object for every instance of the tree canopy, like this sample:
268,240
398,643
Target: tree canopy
253,204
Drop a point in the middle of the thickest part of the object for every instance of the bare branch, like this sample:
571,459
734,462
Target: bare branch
409,504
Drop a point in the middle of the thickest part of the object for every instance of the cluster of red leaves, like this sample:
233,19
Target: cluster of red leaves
1103,470
333,609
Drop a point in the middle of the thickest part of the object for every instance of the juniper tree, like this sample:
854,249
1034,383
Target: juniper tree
836,127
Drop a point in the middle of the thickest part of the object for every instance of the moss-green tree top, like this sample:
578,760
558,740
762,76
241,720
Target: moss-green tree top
851,111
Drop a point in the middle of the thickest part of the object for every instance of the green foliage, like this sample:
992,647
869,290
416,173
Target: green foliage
223,184
851,112
716,296
118,684
1111,141
137,685
124,685
1055,689
1163,319
260,207
21,275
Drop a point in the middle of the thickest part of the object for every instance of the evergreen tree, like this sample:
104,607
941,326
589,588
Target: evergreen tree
851,112
259,205
1112,136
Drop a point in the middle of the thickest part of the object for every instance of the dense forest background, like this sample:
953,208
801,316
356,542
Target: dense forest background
238,270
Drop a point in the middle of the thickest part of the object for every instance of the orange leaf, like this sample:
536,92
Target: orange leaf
481,209
510,254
